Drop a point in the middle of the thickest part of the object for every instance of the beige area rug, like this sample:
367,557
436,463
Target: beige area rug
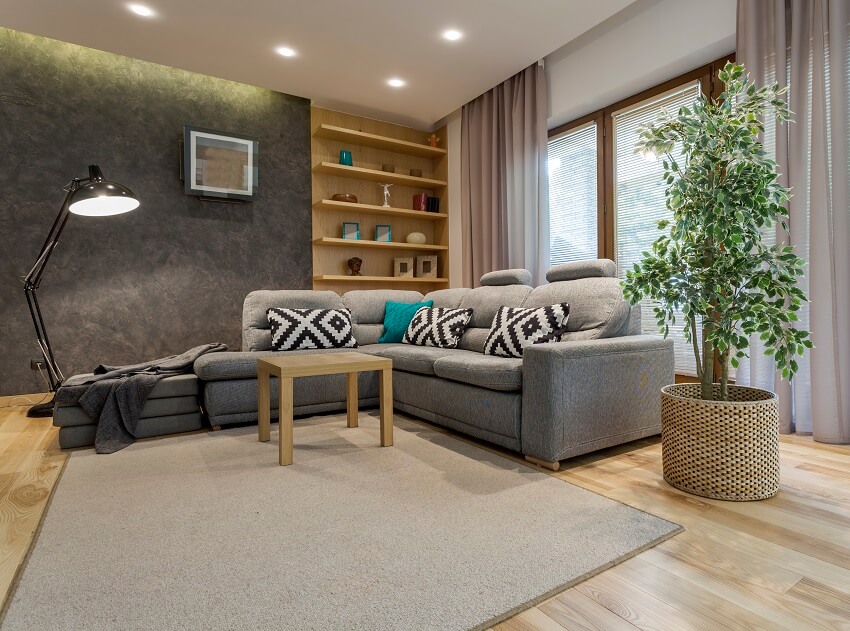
206,531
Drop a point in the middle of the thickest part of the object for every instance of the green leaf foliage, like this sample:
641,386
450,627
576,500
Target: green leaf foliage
711,261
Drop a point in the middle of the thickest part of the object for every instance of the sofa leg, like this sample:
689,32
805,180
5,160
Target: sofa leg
554,466
216,428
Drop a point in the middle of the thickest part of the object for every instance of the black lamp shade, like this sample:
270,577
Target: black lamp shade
99,198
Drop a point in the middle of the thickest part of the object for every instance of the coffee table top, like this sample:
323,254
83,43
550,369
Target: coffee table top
322,364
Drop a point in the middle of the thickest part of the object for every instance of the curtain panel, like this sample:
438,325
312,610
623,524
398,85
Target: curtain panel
504,188
805,45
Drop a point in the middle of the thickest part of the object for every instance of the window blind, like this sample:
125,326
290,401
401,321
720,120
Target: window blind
573,195
639,201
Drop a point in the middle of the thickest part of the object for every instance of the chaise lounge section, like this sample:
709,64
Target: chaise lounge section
596,388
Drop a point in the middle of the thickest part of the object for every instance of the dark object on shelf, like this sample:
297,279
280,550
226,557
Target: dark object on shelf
345,197
389,168
92,197
416,172
433,204
218,164
354,264
345,158
420,201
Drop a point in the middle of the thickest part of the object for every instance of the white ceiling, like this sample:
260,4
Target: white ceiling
347,49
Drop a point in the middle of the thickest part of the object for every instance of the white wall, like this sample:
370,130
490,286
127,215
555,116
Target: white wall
643,45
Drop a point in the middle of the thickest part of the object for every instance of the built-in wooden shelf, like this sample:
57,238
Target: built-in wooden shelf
341,134
390,245
373,175
376,279
331,204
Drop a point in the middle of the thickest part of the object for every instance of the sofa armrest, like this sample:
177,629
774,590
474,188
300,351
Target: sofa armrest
581,396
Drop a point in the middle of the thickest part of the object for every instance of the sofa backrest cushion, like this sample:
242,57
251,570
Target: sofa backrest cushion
449,298
485,302
501,277
367,308
605,268
597,307
256,331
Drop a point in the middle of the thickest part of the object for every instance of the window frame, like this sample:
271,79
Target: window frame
603,118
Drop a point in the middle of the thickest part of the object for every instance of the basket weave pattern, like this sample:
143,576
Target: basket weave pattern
725,450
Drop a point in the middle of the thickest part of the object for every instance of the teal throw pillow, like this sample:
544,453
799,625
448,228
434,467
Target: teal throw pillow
397,317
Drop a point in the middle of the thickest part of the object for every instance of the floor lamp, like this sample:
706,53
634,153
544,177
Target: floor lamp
92,197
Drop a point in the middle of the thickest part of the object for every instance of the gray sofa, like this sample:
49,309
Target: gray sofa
596,388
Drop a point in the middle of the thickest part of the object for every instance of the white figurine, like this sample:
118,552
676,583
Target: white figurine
386,194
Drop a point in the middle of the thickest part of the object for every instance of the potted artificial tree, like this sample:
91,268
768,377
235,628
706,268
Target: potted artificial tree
713,266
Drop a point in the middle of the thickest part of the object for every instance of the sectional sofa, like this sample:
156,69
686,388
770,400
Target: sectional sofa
596,388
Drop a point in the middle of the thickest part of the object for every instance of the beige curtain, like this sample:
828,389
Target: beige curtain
504,188
805,44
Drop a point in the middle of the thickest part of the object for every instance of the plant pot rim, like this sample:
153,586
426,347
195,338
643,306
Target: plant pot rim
670,391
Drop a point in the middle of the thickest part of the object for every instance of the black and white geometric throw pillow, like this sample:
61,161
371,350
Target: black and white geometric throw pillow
514,328
437,326
297,329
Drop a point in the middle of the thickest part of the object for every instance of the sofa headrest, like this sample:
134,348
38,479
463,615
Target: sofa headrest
506,277
582,269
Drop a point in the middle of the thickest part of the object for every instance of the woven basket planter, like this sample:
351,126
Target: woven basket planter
725,450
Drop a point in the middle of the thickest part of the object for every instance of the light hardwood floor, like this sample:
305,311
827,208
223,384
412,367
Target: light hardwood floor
783,563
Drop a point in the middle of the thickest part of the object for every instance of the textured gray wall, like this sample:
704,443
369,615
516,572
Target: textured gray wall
174,272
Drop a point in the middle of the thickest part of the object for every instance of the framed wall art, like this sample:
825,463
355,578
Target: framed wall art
220,164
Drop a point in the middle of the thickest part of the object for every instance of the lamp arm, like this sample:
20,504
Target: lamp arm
33,279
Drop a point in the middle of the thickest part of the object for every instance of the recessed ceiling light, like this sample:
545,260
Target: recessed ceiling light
140,9
285,51
396,83
452,35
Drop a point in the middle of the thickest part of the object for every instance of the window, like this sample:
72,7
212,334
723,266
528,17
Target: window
573,199
639,201
605,200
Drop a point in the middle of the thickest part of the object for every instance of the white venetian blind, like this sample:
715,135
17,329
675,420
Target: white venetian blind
572,195
639,201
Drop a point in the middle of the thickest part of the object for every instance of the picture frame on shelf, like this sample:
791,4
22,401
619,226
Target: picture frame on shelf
426,266
383,233
403,267
351,230
219,164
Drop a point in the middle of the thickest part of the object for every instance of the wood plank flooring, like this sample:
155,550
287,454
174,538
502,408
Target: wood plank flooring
783,563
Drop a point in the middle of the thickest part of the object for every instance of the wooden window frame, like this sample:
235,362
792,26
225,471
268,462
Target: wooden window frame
603,118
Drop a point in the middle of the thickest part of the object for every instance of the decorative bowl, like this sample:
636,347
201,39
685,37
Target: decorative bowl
417,238
345,197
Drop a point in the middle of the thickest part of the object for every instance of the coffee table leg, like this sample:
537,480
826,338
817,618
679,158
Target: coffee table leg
264,404
386,407
351,398
285,418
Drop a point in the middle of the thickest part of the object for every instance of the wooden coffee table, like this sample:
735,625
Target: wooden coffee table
287,368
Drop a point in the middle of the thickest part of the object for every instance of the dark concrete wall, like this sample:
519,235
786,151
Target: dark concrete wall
171,274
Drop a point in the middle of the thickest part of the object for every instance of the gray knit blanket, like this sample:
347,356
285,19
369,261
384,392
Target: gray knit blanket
113,396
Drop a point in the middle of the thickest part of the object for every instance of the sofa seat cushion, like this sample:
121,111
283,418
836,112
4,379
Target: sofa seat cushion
409,358
484,371
176,386
70,416
243,365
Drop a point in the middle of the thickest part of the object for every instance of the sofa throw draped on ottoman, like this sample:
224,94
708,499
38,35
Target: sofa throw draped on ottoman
514,328
299,329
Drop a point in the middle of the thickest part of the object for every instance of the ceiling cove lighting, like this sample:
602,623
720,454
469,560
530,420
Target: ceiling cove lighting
452,35
142,10
285,51
396,83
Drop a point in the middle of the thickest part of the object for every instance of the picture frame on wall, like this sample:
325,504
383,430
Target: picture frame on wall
220,164
383,232
350,230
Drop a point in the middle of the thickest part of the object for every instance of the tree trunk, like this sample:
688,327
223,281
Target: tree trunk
707,381
724,375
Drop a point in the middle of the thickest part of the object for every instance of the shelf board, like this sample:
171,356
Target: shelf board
377,279
372,175
331,204
390,245
341,134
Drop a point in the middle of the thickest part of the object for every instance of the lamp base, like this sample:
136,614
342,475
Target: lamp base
41,410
